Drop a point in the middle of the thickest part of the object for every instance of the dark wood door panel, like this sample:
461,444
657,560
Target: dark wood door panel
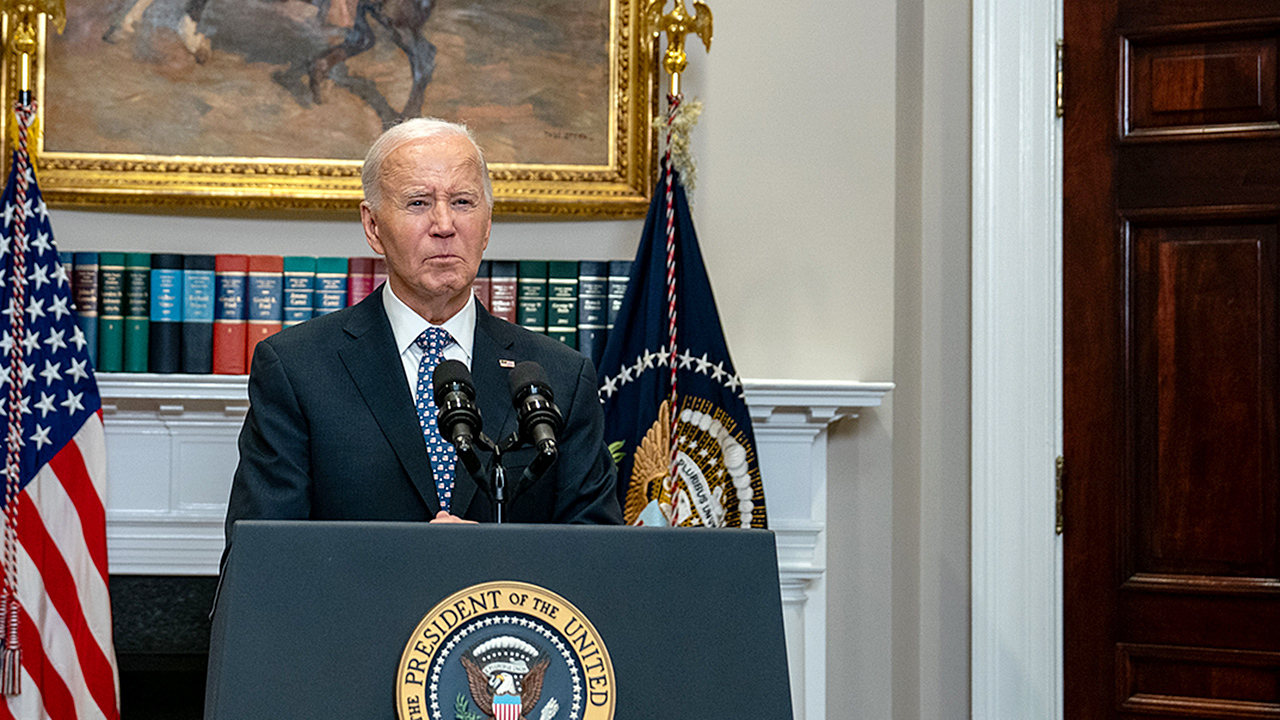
1149,15
1212,173
1204,333
1223,621
1191,86
1182,682
1171,357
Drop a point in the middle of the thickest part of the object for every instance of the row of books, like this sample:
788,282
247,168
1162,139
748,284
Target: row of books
174,313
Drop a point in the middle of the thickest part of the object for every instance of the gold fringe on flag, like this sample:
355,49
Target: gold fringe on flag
680,126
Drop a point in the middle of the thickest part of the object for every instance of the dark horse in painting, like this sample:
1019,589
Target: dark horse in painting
404,19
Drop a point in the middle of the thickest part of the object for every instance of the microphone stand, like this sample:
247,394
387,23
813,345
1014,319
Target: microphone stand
532,472
496,474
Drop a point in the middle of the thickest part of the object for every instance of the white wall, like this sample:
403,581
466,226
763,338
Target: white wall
832,212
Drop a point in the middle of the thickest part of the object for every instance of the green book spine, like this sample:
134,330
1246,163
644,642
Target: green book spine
137,310
111,312
562,301
299,289
531,288
329,293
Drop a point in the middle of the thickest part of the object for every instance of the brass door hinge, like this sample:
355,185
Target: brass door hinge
1058,62
1057,486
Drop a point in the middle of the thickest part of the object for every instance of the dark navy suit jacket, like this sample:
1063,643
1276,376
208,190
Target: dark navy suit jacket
332,432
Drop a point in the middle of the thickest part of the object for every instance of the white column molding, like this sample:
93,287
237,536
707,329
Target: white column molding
171,452
1016,577
790,418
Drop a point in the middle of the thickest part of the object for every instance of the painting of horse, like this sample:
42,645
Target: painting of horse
320,79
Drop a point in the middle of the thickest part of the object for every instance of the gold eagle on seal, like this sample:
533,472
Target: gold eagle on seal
715,486
485,688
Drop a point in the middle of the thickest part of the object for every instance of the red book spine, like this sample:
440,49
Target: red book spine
359,279
482,288
231,275
483,285
265,300
379,272
502,289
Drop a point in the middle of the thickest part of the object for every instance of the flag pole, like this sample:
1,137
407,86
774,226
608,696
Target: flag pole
22,46
23,16
676,25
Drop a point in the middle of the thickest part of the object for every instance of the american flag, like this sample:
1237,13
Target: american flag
58,660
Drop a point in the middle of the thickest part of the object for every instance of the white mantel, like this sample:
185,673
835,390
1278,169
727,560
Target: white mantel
171,451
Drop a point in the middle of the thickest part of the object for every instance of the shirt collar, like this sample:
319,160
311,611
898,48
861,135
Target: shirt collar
407,325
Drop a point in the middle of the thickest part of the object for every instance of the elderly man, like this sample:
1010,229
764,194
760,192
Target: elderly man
341,422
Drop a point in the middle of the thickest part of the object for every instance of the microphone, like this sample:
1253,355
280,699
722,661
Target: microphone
535,405
458,416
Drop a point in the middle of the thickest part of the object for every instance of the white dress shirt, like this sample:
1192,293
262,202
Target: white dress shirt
407,325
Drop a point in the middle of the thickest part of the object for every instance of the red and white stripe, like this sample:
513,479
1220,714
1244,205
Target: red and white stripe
68,664
506,711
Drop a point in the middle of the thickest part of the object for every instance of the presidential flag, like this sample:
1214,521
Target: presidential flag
675,414
57,659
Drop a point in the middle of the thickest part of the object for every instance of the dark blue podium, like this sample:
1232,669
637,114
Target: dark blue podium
315,620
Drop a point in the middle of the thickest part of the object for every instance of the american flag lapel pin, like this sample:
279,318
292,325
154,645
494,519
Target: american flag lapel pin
504,362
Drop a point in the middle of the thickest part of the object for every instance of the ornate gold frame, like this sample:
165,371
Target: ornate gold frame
620,188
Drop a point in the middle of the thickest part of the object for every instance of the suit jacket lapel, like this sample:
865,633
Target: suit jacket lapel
375,367
492,342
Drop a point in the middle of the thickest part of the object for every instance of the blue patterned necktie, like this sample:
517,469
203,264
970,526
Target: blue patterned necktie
433,341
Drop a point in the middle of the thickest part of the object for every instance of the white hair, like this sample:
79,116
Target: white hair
415,129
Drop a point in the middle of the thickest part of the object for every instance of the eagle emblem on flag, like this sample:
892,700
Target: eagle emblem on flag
713,466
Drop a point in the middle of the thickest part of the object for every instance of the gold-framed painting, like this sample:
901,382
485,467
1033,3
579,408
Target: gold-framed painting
271,104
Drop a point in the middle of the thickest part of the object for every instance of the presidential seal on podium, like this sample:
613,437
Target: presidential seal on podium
505,650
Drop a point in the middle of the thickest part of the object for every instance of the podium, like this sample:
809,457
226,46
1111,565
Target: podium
345,620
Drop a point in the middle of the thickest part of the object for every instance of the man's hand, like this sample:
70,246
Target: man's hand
444,517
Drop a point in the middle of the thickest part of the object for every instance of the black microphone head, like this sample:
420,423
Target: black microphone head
526,375
450,372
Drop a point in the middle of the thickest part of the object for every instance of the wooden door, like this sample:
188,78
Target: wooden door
1172,350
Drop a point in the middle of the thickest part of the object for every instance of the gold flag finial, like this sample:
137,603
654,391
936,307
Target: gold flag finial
677,24
27,9
22,44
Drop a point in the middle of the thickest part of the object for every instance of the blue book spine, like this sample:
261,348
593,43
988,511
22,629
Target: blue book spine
229,305
84,292
593,308
198,285
67,261
619,274
164,348
266,295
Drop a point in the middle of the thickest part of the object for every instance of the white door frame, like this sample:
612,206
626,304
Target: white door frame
1016,659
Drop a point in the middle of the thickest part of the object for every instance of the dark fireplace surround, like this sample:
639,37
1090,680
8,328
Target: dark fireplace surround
161,626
